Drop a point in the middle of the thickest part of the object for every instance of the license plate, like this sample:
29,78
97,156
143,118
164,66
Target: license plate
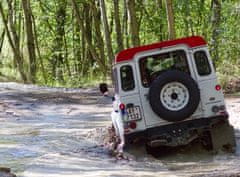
133,113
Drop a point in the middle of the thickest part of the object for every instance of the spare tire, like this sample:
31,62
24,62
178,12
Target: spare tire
174,96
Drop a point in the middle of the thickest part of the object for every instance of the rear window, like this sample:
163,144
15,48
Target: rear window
127,79
202,63
153,66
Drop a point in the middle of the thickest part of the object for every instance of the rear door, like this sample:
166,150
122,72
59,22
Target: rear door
129,93
167,54
151,119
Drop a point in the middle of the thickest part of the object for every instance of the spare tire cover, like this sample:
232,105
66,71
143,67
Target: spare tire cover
174,95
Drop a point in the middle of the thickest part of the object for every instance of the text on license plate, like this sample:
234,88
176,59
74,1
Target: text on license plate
133,113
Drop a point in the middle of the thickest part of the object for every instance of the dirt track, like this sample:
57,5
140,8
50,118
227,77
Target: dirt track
57,132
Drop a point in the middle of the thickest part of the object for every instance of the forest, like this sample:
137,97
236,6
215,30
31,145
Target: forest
72,43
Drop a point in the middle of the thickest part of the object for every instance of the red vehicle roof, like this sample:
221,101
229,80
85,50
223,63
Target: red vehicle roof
128,54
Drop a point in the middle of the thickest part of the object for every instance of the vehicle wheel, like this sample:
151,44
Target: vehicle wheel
174,96
154,151
223,137
206,141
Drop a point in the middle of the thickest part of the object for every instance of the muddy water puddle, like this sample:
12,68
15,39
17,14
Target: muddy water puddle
46,134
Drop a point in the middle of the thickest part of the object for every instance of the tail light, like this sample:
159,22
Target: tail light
218,87
224,113
122,106
133,125
122,109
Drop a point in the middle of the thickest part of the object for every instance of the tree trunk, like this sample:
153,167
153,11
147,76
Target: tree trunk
38,51
186,18
66,61
87,24
77,48
170,17
15,32
84,68
12,25
134,26
161,25
30,39
2,40
216,21
80,23
107,32
125,25
118,25
99,38
13,44
58,45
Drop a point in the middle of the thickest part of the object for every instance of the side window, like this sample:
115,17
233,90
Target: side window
127,79
202,63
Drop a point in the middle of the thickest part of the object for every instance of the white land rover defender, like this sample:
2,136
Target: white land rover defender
168,95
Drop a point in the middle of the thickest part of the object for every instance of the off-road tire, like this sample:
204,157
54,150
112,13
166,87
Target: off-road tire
174,76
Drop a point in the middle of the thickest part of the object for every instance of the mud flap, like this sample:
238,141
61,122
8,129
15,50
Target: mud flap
223,138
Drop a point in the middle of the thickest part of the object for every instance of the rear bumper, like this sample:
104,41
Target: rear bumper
179,133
